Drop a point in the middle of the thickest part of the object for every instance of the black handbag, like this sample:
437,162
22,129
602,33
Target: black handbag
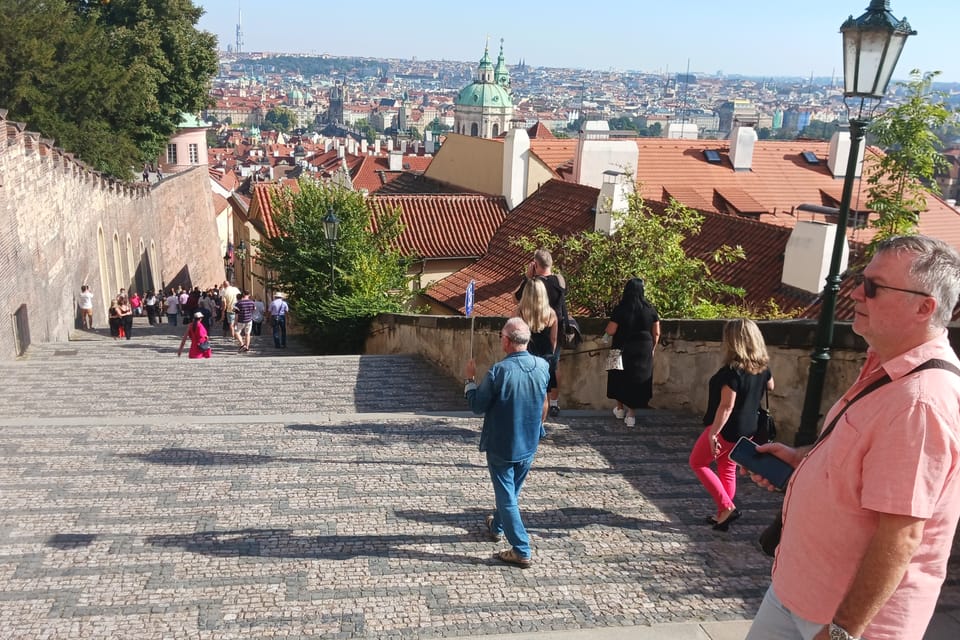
766,427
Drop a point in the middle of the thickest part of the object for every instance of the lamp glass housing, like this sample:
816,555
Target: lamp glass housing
331,226
872,45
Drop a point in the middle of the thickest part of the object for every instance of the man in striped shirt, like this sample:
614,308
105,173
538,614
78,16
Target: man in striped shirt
244,309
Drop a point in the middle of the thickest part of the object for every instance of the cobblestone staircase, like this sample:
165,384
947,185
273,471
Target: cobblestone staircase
143,374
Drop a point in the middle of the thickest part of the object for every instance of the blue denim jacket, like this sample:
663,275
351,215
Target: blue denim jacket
511,398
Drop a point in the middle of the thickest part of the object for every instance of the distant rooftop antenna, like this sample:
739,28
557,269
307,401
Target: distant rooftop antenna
683,96
239,45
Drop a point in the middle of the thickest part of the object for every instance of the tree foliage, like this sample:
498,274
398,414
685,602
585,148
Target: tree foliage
107,80
281,119
646,245
899,182
370,274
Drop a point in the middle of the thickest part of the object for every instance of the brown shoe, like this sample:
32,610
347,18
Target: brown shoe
494,536
512,557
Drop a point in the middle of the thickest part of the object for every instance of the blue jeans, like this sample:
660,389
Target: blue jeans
508,478
775,622
172,318
280,331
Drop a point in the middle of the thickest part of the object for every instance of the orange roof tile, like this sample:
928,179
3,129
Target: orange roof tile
554,152
541,132
558,206
262,203
444,226
373,172
779,181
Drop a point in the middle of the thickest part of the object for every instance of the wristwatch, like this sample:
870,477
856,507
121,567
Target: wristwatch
839,633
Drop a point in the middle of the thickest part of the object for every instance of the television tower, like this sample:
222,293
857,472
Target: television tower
239,44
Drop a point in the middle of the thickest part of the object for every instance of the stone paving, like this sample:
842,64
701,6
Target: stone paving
278,495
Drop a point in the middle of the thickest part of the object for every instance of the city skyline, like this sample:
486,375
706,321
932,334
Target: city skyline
545,36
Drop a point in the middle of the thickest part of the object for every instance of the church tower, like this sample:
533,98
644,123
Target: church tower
338,95
484,107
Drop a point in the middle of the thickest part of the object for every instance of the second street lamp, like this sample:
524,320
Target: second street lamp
331,231
242,257
871,47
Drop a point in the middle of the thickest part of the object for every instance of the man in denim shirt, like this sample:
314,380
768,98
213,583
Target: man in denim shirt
512,399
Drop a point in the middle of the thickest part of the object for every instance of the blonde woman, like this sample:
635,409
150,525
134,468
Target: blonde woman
536,311
735,392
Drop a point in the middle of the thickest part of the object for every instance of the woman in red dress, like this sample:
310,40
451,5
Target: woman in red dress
198,339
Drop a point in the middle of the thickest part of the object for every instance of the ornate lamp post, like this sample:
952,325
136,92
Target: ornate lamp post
331,231
872,45
228,263
242,257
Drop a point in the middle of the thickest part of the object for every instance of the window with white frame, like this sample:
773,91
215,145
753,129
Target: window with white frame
194,153
171,154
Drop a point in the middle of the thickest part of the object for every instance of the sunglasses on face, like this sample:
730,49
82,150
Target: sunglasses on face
870,287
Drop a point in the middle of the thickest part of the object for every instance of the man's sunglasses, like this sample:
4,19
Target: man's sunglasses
870,287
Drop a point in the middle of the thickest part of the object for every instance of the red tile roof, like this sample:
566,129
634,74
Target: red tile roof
261,205
541,132
760,273
561,207
373,172
554,152
444,226
779,181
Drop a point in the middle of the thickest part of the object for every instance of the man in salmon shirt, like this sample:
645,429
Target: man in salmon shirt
871,509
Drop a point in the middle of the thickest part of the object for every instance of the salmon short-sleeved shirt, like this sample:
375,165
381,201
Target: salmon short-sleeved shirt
895,451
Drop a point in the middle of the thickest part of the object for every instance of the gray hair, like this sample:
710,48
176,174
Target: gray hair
543,258
516,331
935,269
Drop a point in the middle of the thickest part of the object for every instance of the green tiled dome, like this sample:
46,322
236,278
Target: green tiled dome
483,94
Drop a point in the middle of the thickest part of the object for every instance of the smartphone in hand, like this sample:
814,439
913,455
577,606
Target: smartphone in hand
773,469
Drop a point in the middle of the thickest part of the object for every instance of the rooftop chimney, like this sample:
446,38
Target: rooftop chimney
612,199
396,160
597,153
806,260
742,140
839,154
516,164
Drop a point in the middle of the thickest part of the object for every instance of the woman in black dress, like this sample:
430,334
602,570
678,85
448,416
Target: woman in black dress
635,327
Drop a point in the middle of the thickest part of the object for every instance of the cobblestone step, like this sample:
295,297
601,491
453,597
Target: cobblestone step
143,374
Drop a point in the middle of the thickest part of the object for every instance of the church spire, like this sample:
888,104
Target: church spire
500,72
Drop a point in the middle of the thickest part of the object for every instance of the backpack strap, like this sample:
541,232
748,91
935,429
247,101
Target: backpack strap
933,363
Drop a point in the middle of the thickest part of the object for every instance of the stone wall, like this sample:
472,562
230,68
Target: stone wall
63,225
686,358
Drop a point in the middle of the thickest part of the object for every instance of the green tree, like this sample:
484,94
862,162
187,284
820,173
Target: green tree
107,80
647,245
281,118
901,179
370,274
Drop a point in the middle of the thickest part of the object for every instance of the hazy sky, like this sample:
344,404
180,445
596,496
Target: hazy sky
750,37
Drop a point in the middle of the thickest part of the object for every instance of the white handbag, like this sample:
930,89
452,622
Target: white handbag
614,360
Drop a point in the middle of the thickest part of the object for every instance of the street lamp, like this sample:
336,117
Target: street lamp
871,47
331,231
242,257
228,264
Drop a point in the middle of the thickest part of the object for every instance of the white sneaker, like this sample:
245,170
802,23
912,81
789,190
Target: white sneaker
619,413
630,421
